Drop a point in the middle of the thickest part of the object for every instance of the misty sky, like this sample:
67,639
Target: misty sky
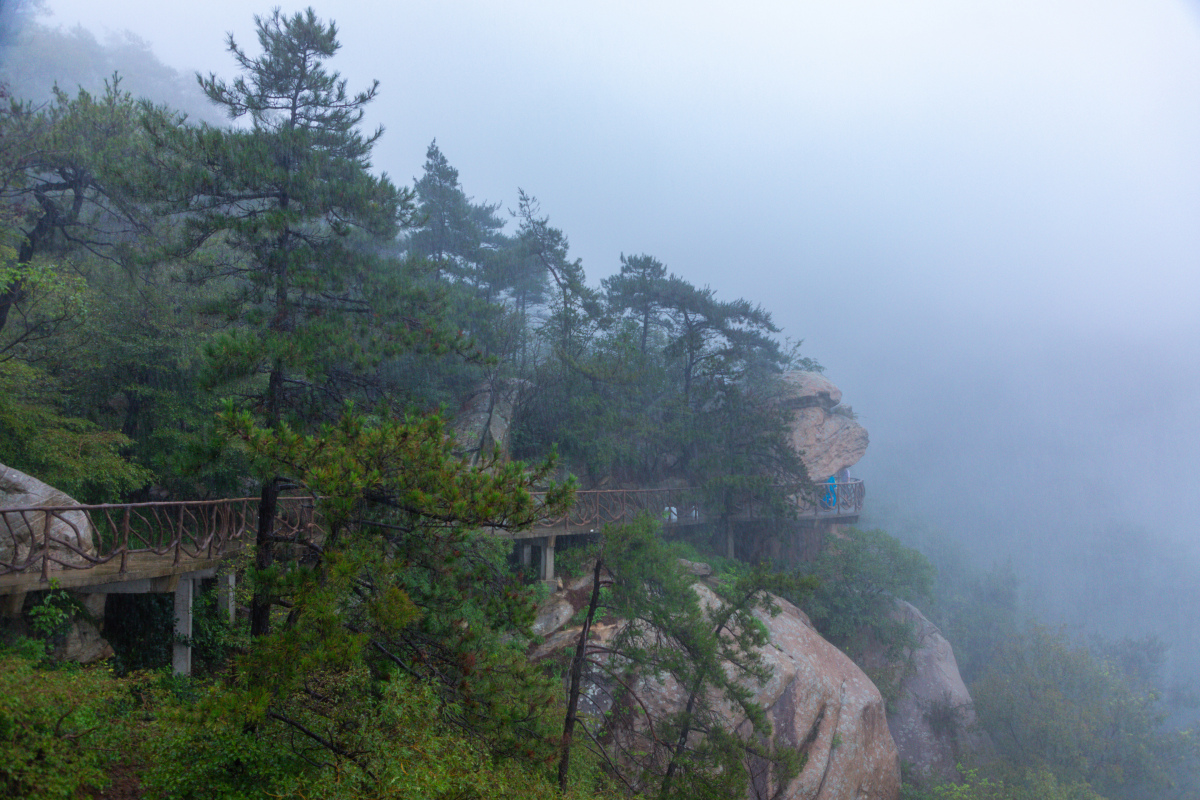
982,217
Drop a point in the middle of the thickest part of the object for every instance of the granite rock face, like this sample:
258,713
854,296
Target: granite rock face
812,389
83,644
23,535
485,418
933,719
825,706
817,700
828,441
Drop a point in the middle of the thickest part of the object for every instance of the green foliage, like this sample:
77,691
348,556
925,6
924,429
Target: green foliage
709,649
149,267
50,618
862,573
398,746
69,453
1051,705
403,577
1036,785
302,280
55,736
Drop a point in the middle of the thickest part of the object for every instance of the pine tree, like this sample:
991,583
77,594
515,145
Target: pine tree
639,288
408,573
455,234
710,650
294,198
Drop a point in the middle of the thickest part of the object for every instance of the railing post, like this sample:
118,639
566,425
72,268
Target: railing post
45,545
125,540
178,536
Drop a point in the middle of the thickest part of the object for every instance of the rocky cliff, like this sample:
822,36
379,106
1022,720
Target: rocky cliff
484,420
828,438
932,719
816,699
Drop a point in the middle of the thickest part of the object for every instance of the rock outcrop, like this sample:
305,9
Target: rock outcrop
932,719
823,703
82,642
485,418
22,535
828,440
817,700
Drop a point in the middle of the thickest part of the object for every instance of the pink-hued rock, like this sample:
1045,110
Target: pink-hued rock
817,700
83,644
827,441
22,535
824,705
810,389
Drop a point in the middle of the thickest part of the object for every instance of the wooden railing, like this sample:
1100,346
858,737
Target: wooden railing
595,508
54,538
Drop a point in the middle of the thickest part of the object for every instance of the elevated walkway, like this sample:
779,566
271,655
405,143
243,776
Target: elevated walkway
168,546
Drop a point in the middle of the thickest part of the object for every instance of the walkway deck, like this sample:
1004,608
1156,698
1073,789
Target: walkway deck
167,547
90,548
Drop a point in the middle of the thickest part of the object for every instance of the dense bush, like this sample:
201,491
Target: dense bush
1037,785
56,732
862,574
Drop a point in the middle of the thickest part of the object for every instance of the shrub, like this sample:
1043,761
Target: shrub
56,736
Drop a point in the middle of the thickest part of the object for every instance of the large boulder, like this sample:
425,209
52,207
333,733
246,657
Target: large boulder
828,438
82,642
825,706
817,700
22,534
932,719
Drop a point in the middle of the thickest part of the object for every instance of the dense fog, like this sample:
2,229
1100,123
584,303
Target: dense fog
983,219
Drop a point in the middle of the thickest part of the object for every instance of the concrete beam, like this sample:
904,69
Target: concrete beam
163,584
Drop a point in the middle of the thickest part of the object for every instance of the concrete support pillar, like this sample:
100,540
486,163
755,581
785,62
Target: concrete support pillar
181,657
226,599
548,560
526,550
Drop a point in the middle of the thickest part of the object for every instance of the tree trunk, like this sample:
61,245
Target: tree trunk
564,762
260,606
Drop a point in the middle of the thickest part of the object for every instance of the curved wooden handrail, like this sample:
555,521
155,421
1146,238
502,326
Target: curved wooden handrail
52,539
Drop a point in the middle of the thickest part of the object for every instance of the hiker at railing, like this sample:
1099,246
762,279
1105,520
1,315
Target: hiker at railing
829,499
